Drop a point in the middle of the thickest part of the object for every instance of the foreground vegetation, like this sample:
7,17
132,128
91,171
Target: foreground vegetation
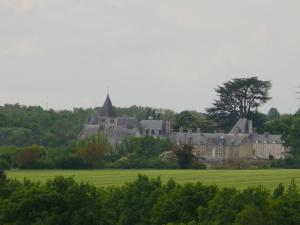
63,201
239,179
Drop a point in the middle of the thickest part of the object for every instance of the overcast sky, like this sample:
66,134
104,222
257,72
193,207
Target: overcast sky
160,53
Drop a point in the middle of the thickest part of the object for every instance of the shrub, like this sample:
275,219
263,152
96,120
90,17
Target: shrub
70,162
4,165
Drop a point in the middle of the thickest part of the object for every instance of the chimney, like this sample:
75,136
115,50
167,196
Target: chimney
168,127
250,126
266,134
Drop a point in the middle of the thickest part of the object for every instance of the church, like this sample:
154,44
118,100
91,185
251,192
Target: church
240,143
105,121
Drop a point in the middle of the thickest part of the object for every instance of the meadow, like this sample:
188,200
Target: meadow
223,178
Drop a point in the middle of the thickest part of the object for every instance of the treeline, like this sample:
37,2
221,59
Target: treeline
27,125
97,153
145,202
24,126
33,138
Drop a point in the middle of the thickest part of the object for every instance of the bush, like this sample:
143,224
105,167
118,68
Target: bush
70,162
4,165
241,164
198,166
289,163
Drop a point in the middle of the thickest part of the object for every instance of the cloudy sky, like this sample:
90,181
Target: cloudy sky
160,53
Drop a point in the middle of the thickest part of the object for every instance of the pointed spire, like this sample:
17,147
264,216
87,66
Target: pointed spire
107,109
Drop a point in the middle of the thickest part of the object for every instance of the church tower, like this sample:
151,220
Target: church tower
107,116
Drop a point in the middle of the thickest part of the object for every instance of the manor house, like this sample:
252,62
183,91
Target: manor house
240,143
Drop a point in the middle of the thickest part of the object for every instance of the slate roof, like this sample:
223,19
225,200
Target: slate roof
107,109
117,135
88,130
208,138
127,122
152,124
242,126
266,138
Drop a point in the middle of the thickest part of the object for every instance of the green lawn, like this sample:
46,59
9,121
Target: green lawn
223,178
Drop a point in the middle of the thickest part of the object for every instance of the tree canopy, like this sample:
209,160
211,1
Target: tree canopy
239,98
144,201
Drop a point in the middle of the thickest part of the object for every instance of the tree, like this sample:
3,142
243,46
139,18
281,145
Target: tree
30,157
192,120
250,213
2,176
185,120
184,155
93,154
273,113
293,137
239,98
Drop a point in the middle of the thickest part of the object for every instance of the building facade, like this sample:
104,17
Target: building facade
239,144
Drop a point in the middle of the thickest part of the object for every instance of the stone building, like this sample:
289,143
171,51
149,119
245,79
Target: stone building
105,121
268,146
240,143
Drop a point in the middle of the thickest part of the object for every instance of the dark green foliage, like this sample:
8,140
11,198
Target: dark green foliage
4,165
273,113
24,126
184,155
2,175
279,125
192,120
180,203
61,201
293,137
144,202
16,136
71,161
289,127
94,152
142,113
30,157
142,152
279,190
239,98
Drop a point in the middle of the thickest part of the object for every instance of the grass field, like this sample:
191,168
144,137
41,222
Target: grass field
223,178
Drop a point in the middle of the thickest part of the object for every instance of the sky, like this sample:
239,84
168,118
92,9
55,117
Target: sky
159,53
